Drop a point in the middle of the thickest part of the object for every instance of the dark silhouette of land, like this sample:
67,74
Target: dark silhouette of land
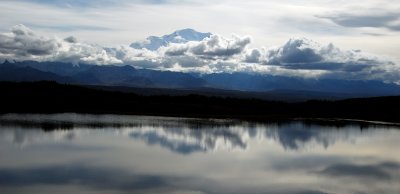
152,82
51,97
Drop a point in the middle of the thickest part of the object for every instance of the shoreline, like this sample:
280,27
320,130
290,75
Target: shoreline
50,97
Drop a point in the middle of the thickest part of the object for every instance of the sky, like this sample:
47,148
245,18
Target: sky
370,30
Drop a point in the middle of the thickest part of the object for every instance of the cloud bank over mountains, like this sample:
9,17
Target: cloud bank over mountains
21,43
190,51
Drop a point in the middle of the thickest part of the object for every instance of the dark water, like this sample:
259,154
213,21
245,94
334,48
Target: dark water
72,153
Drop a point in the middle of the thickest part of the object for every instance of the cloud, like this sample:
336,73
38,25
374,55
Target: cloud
180,136
24,43
192,140
97,178
295,51
91,3
176,50
305,54
386,20
65,27
71,39
253,56
21,43
287,19
377,171
178,37
213,54
215,46
374,34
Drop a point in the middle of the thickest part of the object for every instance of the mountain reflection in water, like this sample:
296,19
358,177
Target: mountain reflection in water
141,154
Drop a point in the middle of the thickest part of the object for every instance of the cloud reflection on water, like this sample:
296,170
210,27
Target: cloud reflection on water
133,154
184,136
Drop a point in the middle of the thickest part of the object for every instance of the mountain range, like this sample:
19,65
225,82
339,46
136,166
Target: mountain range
127,78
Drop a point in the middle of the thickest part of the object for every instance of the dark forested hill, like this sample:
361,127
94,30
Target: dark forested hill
50,97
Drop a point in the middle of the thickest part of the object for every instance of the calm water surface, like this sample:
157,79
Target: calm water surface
73,153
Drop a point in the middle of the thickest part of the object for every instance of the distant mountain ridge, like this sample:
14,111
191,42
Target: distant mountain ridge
180,36
220,84
108,75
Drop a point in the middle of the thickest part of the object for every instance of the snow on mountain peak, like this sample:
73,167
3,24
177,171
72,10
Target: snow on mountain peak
179,36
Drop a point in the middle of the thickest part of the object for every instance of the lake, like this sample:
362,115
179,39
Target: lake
77,153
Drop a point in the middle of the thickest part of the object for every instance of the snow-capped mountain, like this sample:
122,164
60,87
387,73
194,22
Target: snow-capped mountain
180,36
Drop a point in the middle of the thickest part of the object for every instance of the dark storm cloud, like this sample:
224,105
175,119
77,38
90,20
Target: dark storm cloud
366,20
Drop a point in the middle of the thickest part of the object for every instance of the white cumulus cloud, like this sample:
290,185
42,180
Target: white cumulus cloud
21,43
213,54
